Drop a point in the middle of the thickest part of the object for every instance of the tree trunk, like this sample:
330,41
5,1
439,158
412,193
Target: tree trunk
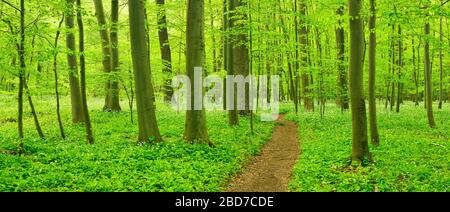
55,72
400,67
358,106
166,54
148,127
303,33
195,130
375,138
240,49
114,91
441,69
415,74
428,78
75,95
107,61
342,80
231,92
215,63
33,111
21,51
87,119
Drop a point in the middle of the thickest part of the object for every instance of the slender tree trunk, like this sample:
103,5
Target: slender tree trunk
294,74
415,74
225,50
303,33
75,95
358,106
195,130
418,73
33,111
375,138
107,58
21,51
441,71
342,80
428,78
250,21
114,91
23,79
87,119
212,10
148,127
392,97
166,53
233,118
400,67
55,72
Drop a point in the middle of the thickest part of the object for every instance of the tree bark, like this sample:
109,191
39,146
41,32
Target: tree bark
358,106
233,118
33,111
303,33
114,91
441,68
240,49
75,93
415,74
111,102
21,51
343,75
166,54
148,127
375,138
399,72
87,119
195,130
55,72
428,77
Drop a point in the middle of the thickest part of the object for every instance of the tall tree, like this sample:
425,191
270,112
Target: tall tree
21,51
441,67
75,93
87,118
114,104
166,54
215,59
372,74
148,127
55,73
400,67
112,99
233,118
239,44
303,34
343,75
195,129
358,106
428,76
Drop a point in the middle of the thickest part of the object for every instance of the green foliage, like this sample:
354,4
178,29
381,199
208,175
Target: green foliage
411,156
117,162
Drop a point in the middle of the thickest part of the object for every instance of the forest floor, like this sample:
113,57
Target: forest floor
411,157
271,171
116,162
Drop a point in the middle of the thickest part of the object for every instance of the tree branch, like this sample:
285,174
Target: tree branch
11,5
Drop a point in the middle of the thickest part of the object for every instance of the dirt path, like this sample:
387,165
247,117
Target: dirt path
271,171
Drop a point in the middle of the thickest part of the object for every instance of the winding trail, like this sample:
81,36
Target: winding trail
271,171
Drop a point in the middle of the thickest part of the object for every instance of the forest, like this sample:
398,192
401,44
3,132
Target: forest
225,95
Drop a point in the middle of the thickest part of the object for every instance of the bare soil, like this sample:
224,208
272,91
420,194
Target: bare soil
271,171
